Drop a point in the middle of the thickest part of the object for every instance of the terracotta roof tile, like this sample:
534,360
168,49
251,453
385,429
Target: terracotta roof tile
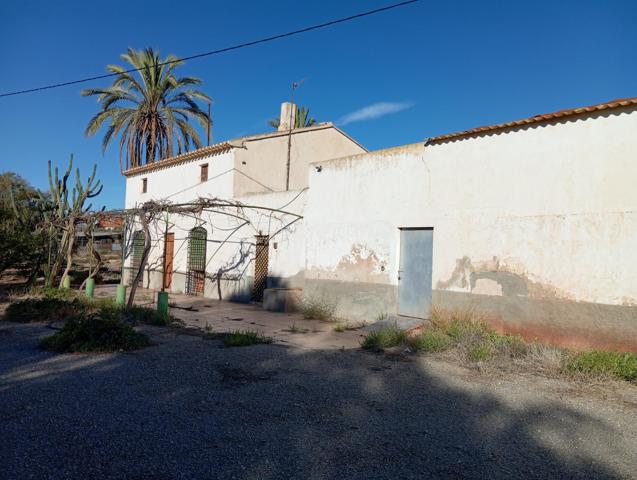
184,157
621,102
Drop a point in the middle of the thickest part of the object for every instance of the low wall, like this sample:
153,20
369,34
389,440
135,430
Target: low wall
578,325
568,323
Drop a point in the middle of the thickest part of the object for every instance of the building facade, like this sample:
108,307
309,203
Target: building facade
533,222
264,177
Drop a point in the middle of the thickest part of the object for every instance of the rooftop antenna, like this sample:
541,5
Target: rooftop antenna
209,123
295,85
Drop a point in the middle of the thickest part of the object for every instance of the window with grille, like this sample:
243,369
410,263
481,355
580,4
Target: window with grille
204,172
144,185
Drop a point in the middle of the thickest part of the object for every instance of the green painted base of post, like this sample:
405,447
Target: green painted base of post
66,283
90,287
162,303
120,299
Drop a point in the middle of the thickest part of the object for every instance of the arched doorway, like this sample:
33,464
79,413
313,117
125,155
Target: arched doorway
196,272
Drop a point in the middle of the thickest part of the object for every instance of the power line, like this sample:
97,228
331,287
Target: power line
221,50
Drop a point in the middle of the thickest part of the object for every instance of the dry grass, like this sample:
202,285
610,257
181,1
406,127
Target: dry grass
294,328
464,334
386,337
318,308
243,338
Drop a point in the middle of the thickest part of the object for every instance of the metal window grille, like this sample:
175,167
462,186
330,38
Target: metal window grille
196,272
139,241
260,268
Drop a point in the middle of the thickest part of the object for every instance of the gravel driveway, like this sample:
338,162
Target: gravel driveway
188,408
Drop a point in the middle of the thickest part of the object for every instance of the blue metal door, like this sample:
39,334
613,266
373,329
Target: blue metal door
414,275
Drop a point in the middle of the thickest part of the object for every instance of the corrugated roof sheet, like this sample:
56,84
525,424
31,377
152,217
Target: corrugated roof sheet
619,103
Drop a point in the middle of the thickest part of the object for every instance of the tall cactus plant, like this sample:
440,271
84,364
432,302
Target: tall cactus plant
64,215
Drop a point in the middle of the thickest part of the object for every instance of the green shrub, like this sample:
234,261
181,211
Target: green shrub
95,333
340,327
244,338
430,340
55,293
151,316
386,337
512,346
479,352
52,309
462,330
620,365
317,309
44,310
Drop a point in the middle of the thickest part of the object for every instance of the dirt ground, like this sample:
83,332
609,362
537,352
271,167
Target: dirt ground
311,405
212,315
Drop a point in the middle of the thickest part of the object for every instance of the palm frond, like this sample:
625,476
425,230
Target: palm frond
150,109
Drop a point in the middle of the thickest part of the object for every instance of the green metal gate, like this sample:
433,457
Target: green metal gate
196,272
139,242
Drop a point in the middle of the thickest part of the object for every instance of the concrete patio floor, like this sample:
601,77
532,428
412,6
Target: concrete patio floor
211,315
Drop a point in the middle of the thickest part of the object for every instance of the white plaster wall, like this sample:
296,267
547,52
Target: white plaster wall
261,165
182,183
231,244
286,230
556,203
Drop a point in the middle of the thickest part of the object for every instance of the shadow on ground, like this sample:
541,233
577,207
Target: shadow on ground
189,408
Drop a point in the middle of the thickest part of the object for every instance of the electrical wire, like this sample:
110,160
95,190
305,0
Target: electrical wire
220,50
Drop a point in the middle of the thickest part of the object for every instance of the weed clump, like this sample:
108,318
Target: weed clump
91,325
314,308
43,310
430,341
96,332
55,309
244,338
620,365
386,337
150,316
340,327
294,328
462,330
467,334
54,293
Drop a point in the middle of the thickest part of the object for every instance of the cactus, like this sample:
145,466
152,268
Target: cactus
63,216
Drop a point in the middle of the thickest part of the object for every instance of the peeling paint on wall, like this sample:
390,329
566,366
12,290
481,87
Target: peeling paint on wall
361,264
499,278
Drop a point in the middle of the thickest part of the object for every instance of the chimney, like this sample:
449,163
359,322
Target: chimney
288,112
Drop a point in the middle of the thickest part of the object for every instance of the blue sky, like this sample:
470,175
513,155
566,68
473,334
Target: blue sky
395,78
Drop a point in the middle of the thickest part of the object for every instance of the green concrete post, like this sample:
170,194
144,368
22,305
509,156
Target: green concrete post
67,282
162,303
90,287
121,295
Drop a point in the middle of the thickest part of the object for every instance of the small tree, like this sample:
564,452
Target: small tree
22,239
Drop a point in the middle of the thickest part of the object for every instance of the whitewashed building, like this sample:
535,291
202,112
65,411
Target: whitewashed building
532,221
265,173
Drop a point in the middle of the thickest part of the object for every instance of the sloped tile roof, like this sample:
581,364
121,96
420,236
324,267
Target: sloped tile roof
619,103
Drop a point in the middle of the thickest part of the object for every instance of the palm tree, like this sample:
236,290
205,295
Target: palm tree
302,119
149,109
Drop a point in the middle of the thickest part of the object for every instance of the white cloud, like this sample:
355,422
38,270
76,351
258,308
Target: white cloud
375,110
